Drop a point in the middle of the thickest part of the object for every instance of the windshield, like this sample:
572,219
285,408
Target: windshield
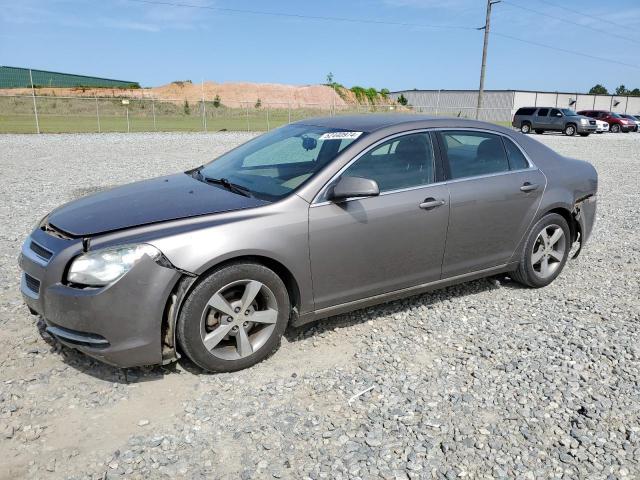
275,164
568,112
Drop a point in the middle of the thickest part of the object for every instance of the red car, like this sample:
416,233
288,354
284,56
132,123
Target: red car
616,122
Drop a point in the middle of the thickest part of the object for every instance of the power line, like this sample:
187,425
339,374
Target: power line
374,22
537,12
305,17
592,17
574,52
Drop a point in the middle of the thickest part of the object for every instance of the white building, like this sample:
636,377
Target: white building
500,105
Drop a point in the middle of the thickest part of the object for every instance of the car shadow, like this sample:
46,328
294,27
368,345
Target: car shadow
295,334
89,366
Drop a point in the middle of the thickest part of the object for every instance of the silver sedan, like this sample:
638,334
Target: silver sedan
314,219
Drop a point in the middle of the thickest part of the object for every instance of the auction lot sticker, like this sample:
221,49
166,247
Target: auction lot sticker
340,136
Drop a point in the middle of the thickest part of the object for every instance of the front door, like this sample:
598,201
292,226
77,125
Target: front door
368,246
494,195
556,120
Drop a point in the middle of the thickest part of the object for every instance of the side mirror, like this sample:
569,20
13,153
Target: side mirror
558,114
354,187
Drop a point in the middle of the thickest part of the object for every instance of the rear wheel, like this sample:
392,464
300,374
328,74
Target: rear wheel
570,130
234,318
615,128
525,127
545,252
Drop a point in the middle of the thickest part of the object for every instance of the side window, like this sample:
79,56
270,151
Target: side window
543,112
474,153
556,113
517,160
403,162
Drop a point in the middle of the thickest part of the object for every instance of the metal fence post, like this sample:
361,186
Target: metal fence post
268,118
128,126
247,116
153,109
35,107
97,113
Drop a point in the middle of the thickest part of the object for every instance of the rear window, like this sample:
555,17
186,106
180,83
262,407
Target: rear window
517,160
525,111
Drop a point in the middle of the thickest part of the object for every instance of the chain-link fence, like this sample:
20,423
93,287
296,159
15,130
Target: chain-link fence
51,114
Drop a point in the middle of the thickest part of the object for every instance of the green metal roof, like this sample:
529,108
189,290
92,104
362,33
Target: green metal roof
15,77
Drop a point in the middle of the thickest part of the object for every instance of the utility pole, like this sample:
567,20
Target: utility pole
486,28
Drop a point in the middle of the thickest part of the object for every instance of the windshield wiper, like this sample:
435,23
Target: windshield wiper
232,187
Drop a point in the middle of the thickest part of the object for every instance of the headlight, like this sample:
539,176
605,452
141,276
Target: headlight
99,268
584,121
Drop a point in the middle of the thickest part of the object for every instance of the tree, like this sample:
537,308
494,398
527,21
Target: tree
258,103
635,92
330,78
402,100
622,90
187,109
217,103
385,92
598,90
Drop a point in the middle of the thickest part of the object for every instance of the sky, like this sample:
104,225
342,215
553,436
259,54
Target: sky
400,48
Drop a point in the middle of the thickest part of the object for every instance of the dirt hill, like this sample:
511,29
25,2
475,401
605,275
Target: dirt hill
230,94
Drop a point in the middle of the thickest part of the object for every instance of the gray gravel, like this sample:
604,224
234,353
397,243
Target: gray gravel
483,380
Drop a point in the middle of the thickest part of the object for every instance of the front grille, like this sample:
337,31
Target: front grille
592,122
32,284
40,250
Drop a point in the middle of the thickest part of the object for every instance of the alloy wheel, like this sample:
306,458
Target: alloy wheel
570,130
239,319
548,251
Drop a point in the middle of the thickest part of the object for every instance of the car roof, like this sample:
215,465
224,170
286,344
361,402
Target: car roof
371,122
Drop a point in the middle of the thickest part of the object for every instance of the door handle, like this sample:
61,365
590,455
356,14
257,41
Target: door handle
529,187
431,203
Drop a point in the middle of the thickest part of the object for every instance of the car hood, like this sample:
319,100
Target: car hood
150,201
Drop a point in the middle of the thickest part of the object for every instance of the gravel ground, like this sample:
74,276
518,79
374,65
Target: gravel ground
482,380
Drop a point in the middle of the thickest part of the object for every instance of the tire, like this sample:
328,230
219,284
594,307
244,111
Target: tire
570,130
584,134
530,272
539,132
256,328
615,128
599,133
525,128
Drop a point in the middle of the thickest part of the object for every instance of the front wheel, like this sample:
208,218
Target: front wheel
615,128
234,318
545,252
570,130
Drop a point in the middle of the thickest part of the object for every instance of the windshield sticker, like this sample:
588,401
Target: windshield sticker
340,136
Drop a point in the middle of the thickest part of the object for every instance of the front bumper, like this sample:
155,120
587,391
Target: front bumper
119,324
586,128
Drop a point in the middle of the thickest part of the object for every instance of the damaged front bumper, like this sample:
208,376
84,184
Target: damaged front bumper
120,324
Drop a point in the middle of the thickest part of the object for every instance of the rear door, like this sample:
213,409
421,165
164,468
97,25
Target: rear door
368,246
494,195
